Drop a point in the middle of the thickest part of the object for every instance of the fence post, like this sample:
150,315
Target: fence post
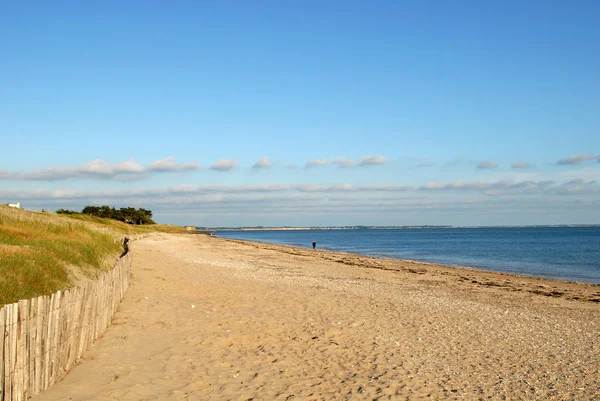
42,337
14,310
2,336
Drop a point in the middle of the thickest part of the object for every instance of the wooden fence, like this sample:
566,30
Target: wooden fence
41,338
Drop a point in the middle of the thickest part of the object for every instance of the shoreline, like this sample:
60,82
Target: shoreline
554,275
557,288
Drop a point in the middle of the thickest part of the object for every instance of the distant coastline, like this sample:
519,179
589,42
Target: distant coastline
290,228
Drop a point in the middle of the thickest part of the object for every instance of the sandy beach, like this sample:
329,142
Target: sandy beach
213,319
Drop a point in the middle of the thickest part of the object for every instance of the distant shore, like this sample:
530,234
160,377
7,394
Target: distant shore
276,228
284,228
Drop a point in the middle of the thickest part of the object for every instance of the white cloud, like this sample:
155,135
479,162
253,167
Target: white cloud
346,163
97,168
283,201
326,188
127,170
316,163
486,165
343,163
372,160
510,187
190,190
101,167
433,185
577,159
387,188
263,162
129,166
521,164
224,165
169,164
575,181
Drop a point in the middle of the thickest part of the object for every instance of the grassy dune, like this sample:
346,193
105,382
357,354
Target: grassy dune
41,253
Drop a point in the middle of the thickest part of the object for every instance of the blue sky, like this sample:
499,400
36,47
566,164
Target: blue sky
304,112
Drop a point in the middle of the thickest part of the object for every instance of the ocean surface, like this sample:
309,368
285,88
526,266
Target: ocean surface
565,253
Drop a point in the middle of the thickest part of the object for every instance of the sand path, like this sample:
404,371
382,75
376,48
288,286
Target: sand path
210,319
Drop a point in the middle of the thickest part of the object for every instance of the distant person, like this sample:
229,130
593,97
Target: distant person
314,244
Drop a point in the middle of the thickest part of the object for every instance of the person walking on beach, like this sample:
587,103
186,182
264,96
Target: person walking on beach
314,244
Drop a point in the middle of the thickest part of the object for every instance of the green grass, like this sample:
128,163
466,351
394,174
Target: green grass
41,253
124,228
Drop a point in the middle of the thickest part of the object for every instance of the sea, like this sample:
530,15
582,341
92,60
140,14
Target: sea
564,253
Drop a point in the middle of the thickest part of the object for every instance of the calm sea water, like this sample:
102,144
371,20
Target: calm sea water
566,253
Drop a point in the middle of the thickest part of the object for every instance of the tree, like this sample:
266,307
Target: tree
129,215
106,212
91,210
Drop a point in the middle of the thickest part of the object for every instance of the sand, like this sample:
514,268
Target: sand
213,319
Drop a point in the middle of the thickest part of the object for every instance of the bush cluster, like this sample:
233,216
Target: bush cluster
129,215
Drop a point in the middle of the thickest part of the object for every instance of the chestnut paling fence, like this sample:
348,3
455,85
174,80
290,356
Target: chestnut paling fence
41,338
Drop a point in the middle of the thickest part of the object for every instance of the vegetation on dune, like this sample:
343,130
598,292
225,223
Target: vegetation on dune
129,215
121,227
41,253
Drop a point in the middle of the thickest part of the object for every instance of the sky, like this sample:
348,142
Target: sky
304,113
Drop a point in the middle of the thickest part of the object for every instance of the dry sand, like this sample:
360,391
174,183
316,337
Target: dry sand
213,319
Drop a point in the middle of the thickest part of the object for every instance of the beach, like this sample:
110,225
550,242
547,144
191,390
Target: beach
207,318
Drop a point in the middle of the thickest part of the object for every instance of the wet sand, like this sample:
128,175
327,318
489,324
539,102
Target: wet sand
214,319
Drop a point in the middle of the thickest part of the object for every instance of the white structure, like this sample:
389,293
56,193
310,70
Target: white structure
17,205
